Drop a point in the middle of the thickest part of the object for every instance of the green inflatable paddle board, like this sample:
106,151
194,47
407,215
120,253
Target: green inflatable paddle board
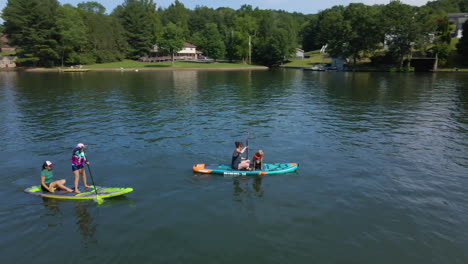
88,194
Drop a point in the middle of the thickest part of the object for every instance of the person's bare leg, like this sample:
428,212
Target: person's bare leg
244,165
77,180
61,185
83,172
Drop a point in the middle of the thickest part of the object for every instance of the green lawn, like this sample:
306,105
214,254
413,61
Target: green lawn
131,64
315,58
8,53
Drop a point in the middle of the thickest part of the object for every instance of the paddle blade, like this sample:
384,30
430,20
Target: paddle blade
98,200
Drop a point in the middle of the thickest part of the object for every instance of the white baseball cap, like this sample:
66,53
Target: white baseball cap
80,145
48,164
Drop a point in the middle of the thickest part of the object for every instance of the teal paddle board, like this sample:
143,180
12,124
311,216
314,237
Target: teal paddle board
225,169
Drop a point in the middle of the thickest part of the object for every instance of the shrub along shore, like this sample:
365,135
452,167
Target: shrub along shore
130,65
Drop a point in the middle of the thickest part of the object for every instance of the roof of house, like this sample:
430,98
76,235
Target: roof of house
188,45
451,16
4,40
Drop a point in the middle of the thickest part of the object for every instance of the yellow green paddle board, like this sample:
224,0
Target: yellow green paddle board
88,194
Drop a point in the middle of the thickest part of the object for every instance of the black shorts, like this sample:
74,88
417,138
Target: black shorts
44,189
77,167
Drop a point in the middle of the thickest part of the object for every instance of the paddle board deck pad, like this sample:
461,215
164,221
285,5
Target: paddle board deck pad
88,194
268,168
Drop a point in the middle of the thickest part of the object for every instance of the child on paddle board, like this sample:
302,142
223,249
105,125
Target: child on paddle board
238,162
47,179
77,160
258,160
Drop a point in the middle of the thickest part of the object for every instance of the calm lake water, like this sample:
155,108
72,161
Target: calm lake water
383,175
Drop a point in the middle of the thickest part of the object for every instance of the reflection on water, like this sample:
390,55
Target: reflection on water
84,220
242,186
382,155
257,185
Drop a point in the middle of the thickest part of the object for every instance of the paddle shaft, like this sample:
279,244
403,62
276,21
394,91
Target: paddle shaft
247,144
92,179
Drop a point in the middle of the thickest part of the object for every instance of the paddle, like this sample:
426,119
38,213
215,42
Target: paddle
97,199
247,144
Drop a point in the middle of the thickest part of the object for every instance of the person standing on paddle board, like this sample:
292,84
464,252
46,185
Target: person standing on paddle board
47,179
77,160
238,162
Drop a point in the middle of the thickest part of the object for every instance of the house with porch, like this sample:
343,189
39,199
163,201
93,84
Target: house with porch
188,52
7,62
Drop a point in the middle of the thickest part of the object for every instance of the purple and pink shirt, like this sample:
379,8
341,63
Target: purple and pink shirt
78,157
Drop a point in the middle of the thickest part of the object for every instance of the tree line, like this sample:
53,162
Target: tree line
360,31
50,34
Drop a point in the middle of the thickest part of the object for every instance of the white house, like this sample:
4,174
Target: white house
299,54
458,19
7,62
188,52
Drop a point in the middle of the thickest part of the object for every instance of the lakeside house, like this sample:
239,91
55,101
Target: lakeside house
458,19
5,44
299,54
7,62
188,52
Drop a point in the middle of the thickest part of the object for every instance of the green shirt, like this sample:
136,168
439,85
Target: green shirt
49,176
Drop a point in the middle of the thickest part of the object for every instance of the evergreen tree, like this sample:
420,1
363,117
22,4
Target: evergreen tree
177,14
72,32
138,18
105,37
31,26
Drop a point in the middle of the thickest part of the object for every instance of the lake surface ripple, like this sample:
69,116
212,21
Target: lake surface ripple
383,174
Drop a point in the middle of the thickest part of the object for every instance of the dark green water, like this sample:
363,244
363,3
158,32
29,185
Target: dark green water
383,175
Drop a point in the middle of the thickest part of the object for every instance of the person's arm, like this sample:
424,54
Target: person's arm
85,160
45,185
242,151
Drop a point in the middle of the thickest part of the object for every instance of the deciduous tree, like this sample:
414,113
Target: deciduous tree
171,41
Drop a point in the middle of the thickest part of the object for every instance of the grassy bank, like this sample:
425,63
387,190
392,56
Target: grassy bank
131,64
314,58
8,53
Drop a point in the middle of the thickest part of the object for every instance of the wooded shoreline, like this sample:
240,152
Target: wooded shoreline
135,69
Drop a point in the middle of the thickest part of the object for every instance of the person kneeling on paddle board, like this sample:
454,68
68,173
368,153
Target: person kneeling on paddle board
47,179
77,160
258,160
239,162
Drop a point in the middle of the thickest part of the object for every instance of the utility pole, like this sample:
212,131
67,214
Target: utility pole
250,52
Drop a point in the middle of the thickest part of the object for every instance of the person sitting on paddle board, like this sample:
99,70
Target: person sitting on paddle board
77,160
258,159
239,162
47,179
